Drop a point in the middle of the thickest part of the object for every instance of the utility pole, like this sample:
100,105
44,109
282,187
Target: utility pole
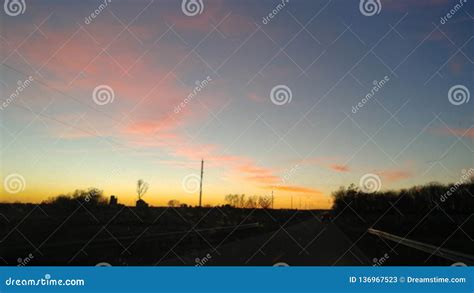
200,186
272,199
292,201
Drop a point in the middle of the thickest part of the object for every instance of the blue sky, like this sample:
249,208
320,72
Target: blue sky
57,137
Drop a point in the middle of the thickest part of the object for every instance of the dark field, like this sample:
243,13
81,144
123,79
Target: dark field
90,235
128,236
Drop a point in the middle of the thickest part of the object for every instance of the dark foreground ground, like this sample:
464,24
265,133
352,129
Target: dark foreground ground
48,235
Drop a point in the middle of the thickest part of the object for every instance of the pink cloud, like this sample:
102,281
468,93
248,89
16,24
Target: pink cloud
150,127
461,132
145,90
264,179
340,168
395,175
292,188
256,98
325,162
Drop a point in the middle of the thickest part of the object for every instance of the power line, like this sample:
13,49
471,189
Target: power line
44,84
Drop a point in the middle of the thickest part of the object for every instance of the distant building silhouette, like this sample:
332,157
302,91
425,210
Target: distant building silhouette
113,200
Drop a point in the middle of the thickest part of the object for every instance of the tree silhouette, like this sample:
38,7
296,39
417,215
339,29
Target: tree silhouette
252,202
92,196
174,203
232,200
142,188
265,201
452,199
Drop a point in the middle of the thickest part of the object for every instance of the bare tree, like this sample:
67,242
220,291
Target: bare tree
252,202
174,203
242,201
232,199
142,188
265,201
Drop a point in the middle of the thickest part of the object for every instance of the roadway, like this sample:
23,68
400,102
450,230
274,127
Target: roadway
311,242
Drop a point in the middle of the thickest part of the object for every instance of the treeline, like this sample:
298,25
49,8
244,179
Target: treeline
250,202
454,199
92,196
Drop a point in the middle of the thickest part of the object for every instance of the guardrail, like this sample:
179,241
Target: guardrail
441,252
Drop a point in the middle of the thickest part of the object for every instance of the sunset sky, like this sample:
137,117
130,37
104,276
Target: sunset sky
57,137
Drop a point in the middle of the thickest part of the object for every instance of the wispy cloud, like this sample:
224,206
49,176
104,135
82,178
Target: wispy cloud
340,168
395,175
292,188
460,132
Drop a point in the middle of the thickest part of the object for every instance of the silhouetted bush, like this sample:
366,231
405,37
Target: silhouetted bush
89,197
